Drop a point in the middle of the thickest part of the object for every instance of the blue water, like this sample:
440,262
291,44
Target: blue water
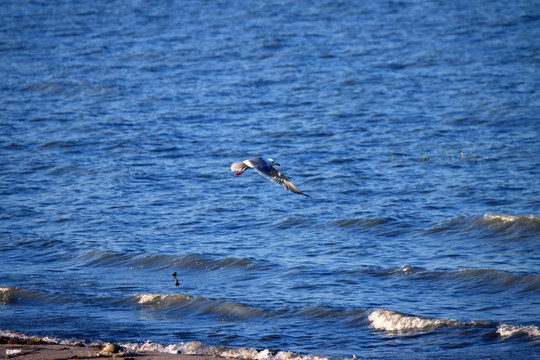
414,126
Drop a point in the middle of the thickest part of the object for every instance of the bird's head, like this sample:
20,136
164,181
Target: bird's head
271,162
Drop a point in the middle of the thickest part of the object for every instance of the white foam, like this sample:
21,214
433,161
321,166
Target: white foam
507,330
500,217
148,298
389,320
193,348
155,299
5,294
153,347
240,353
380,319
198,348
12,334
49,339
264,355
12,352
503,218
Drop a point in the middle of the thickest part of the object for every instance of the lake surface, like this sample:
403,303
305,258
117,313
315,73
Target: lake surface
413,125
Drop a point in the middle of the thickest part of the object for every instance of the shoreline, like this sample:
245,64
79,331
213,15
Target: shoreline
20,346
38,349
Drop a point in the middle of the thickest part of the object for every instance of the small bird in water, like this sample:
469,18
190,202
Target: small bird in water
265,167
176,282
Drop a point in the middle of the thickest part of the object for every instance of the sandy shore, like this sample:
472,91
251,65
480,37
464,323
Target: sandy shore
56,352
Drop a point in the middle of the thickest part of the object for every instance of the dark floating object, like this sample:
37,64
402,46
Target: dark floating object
176,282
174,274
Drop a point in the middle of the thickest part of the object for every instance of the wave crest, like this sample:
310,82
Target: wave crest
6,294
516,226
507,330
510,224
14,295
190,261
389,320
501,219
199,304
497,279
361,223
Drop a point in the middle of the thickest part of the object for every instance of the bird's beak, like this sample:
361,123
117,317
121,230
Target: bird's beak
276,164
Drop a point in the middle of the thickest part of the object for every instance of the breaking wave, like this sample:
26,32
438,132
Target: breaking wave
197,304
14,295
511,226
389,320
6,294
522,220
199,348
393,321
507,330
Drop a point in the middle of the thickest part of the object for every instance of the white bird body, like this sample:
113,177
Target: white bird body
265,167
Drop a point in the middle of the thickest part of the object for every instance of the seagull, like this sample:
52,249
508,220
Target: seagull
264,167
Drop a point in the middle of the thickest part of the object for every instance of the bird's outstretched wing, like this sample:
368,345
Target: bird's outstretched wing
278,178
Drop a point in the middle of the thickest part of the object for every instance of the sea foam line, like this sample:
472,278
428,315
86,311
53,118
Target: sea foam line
189,348
380,319
198,348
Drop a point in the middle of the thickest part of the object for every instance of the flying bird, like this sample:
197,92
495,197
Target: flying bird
265,167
